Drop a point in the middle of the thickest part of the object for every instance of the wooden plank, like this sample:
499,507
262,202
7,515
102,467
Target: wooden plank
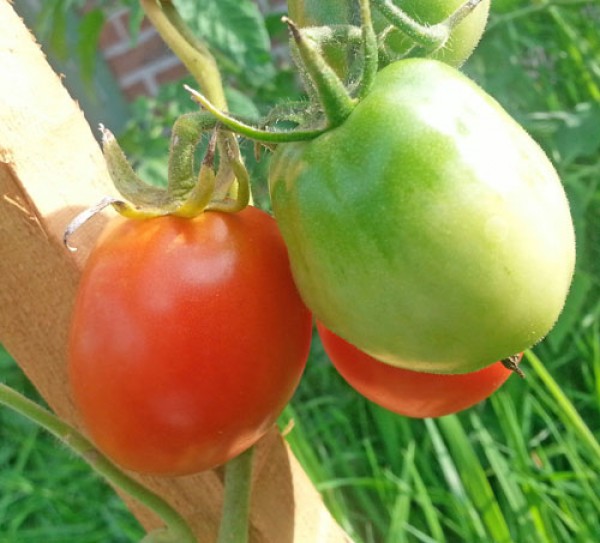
50,169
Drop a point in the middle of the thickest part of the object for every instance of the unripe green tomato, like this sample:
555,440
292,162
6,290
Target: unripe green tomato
429,230
459,47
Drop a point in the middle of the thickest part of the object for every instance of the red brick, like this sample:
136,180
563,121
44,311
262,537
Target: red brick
109,35
125,21
137,89
171,74
148,51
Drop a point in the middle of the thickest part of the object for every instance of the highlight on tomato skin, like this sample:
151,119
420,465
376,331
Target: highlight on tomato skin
410,393
188,339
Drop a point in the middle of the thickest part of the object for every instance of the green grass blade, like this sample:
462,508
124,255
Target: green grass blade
430,512
474,479
467,516
400,515
508,483
565,409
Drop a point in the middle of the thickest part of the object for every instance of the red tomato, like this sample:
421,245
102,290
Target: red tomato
410,393
188,339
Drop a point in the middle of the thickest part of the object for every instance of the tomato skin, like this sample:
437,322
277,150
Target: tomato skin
459,47
188,338
410,393
429,229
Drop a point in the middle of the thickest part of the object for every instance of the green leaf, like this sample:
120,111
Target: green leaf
241,105
90,28
474,479
236,32
579,135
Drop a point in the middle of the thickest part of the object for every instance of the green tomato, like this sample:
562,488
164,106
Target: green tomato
429,230
459,47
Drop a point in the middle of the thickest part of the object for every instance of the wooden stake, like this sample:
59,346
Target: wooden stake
51,168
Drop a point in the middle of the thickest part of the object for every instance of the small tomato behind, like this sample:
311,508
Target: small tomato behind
410,393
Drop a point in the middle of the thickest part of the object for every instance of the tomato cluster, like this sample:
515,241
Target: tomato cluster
426,231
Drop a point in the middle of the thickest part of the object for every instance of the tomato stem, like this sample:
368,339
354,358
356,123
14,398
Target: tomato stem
236,505
268,136
197,58
193,52
370,49
177,527
429,37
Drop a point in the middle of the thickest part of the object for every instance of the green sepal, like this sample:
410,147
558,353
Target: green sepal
204,187
242,193
124,178
186,134
333,96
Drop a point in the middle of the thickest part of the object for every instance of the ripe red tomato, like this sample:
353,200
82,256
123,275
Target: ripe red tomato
410,393
188,339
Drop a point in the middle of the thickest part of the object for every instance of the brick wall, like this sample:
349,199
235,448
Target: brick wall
142,68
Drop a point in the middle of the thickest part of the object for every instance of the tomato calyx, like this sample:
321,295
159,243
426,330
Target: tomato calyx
188,194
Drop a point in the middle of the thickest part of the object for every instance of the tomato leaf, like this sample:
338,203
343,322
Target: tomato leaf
579,136
236,31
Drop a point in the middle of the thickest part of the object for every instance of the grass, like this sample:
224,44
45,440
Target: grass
522,466
47,493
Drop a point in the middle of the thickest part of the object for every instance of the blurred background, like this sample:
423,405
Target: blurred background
522,466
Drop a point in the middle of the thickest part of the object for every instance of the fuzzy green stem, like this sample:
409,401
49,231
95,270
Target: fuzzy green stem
429,37
370,49
268,136
336,101
194,53
177,526
234,526
197,58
